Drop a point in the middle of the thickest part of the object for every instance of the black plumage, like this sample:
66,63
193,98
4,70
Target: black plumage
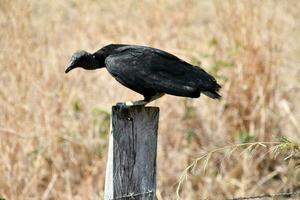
149,71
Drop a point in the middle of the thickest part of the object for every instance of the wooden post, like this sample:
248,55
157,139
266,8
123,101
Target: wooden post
131,164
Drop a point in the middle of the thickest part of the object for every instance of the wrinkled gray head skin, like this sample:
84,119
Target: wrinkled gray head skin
82,59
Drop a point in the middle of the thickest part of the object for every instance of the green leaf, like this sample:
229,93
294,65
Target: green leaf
244,137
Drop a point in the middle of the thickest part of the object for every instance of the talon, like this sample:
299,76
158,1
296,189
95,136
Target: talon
127,104
121,105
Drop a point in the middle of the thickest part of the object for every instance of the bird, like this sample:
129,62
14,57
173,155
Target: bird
148,71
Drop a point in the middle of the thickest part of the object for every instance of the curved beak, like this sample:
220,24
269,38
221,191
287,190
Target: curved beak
69,69
70,66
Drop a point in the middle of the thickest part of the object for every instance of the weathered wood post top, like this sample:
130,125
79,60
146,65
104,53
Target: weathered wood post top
131,164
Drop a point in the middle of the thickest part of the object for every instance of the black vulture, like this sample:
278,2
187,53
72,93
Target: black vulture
149,71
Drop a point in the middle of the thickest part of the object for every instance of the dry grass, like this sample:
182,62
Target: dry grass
53,127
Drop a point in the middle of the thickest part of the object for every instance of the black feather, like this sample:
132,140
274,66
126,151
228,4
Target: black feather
149,71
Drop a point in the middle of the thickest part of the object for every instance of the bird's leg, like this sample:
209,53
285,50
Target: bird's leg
128,104
156,96
136,103
145,101
139,102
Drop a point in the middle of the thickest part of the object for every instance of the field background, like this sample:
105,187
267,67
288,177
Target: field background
53,127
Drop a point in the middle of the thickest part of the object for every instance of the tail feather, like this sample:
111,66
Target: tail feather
208,85
212,94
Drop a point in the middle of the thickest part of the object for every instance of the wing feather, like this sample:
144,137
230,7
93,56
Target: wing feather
148,70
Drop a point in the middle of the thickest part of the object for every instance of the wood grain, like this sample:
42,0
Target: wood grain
131,165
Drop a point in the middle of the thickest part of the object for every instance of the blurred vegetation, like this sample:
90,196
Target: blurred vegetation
54,128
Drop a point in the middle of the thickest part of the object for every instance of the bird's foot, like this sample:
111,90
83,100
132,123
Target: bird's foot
127,104
121,105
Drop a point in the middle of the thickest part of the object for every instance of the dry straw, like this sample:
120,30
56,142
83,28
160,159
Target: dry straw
53,128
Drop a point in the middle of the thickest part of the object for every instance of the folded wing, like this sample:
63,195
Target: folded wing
149,71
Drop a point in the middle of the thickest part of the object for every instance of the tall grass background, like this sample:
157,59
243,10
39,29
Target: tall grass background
53,127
